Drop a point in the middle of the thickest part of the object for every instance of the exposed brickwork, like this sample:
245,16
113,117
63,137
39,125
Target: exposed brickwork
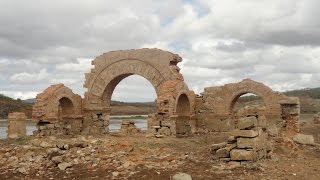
214,108
58,111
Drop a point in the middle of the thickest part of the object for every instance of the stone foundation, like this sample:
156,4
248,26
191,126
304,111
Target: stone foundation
66,126
95,124
16,125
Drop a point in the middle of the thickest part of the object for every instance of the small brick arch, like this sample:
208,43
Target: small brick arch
235,90
55,102
219,102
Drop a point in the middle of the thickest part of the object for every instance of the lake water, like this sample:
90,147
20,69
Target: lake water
114,126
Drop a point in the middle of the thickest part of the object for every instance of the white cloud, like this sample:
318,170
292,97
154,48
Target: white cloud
272,41
29,77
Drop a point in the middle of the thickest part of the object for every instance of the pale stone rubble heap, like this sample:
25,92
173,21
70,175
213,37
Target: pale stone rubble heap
247,143
129,128
316,118
16,125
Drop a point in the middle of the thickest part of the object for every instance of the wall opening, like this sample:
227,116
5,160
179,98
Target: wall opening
183,126
132,99
65,107
245,103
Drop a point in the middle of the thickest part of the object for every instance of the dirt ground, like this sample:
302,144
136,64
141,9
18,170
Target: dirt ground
148,158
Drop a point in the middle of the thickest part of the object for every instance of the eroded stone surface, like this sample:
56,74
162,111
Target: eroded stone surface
16,125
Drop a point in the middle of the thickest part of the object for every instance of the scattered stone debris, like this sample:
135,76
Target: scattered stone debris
316,118
304,139
129,128
64,165
181,176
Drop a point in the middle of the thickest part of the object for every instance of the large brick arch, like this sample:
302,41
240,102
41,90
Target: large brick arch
155,65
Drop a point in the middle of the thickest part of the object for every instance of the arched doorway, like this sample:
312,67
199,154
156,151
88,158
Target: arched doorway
65,107
249,104
156,66
132,100
183,126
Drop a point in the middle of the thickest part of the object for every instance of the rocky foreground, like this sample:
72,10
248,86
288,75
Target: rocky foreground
116,156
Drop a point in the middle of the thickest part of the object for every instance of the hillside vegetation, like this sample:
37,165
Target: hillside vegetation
8,105
309,100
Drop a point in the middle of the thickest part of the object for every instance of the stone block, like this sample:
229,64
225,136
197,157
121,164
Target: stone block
247,122
50,126
273,131
218,146
231,146
165,131
243,155
252,143
167,123
245,133
262,121
304,139
223,153
232,139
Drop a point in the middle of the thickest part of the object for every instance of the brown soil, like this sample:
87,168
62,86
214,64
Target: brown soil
162,158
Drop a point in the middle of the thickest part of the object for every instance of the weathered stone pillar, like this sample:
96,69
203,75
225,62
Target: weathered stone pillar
96,123
16,125
290,115
316,118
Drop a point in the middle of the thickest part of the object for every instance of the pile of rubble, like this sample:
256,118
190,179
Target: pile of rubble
129,128
316,118
247,143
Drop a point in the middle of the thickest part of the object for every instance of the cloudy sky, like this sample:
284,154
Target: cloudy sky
43,42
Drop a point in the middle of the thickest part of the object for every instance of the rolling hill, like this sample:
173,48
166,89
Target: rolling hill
309,99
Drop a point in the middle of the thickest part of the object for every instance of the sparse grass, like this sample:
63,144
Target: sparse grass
200,141
99,141
152,144
22,141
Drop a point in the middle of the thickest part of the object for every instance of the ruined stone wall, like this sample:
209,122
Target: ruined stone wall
168,120
214,107
58,110
16,125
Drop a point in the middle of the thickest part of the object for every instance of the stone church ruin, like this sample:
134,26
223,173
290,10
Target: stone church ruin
180,112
